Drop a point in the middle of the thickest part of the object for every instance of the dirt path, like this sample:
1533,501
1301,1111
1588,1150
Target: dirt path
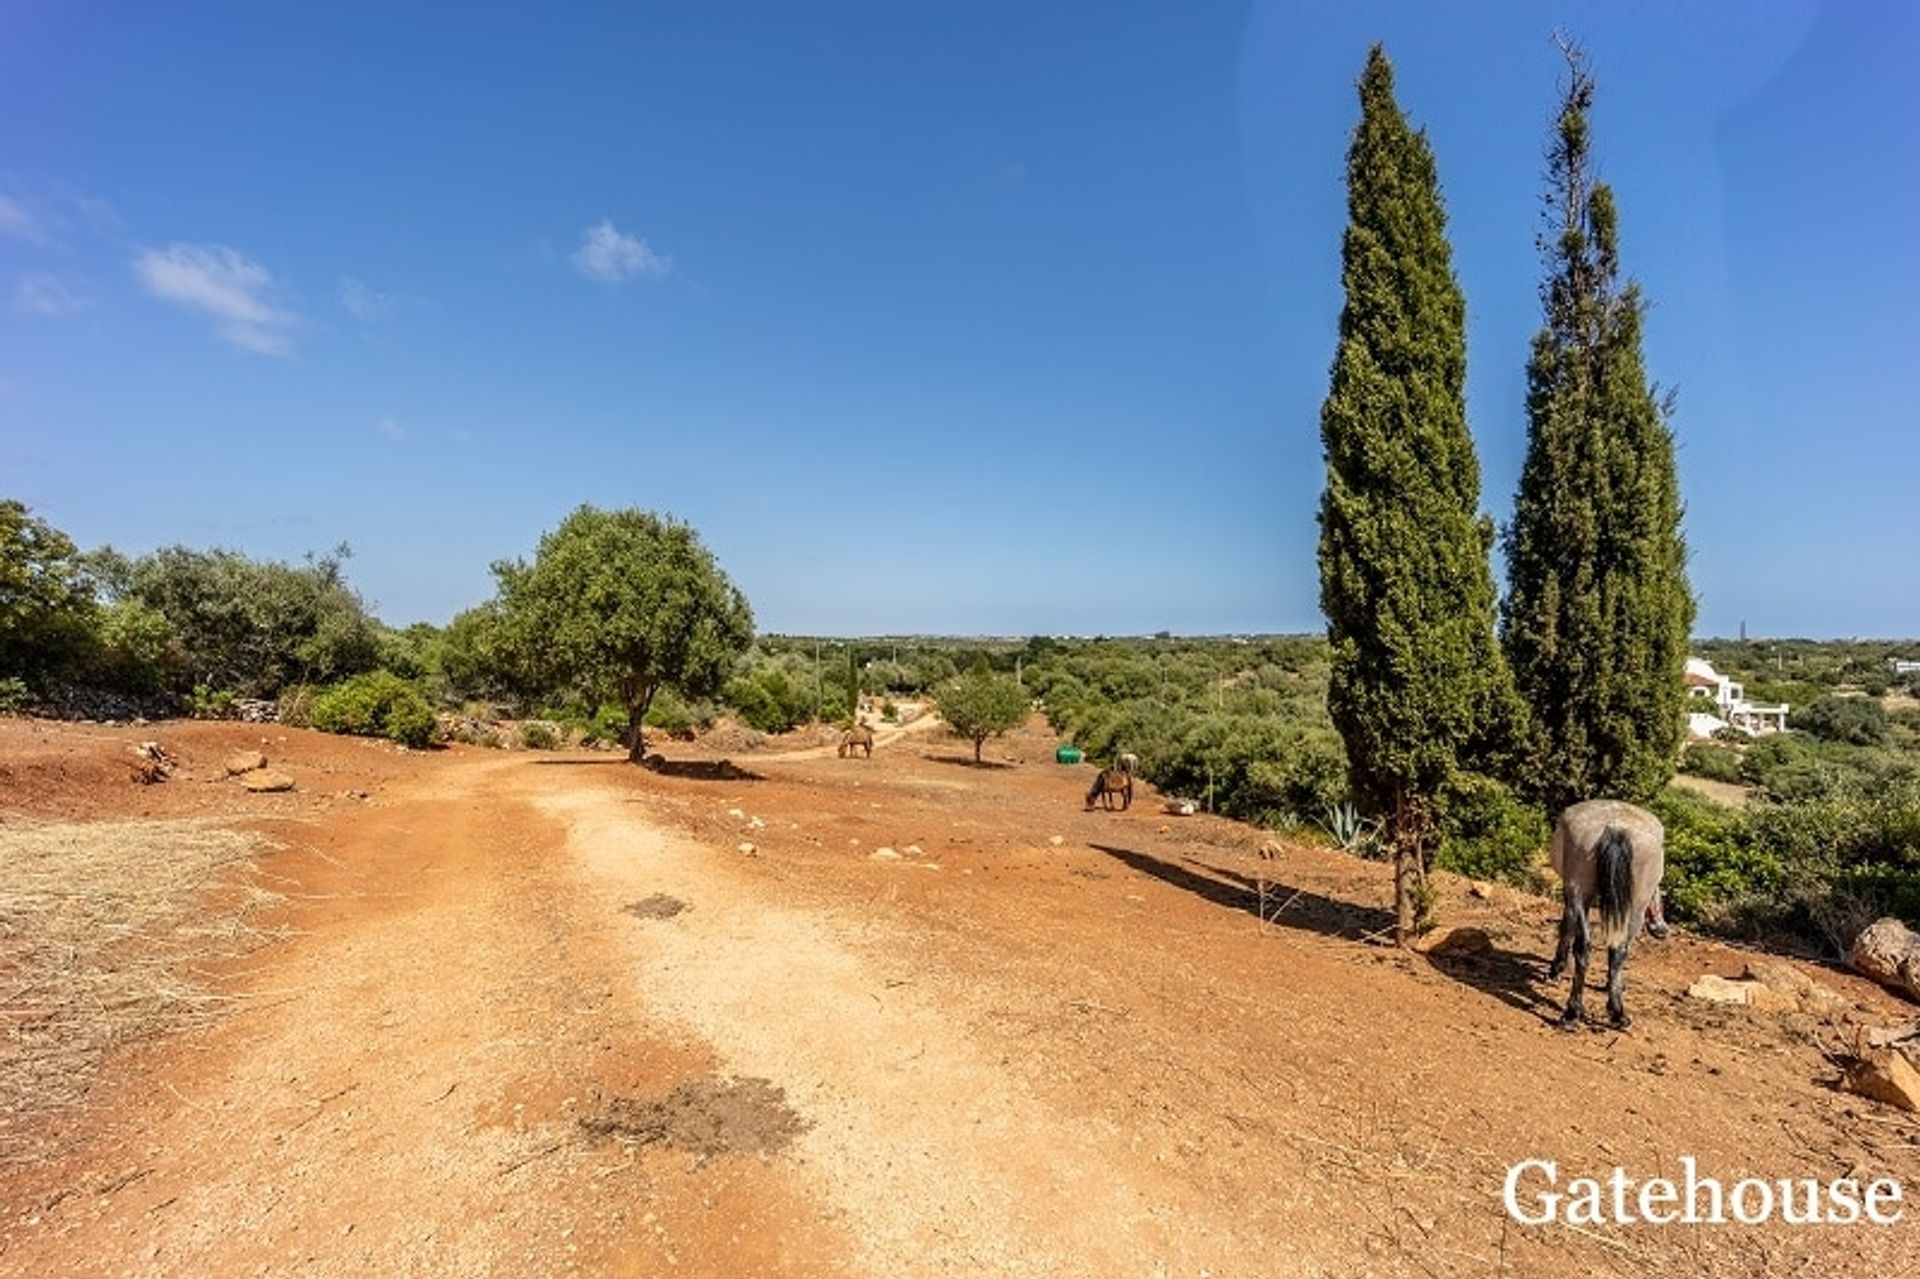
542,1015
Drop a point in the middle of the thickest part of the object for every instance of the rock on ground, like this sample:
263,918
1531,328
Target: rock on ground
1886,1076
266,780
1889,952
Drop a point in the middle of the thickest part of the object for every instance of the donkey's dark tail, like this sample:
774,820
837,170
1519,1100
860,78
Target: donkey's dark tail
1613,884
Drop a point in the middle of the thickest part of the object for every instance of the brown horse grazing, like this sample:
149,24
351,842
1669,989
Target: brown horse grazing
858,738
1111,782
1610,854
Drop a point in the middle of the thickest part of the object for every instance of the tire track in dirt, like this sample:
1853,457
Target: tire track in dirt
939,1160
401,1088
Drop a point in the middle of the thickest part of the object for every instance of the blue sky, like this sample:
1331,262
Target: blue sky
995,317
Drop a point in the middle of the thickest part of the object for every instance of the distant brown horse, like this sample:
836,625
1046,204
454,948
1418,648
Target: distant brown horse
857,738
1113,781
1612,855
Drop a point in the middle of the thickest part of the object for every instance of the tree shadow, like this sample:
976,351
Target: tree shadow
1288,907
965,761
1510,976
700,770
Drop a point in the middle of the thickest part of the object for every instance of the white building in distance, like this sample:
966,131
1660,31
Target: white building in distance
1731,709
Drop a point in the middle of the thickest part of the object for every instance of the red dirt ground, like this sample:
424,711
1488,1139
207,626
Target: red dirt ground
505,1033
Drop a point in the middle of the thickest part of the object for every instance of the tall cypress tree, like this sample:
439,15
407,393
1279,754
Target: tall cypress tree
1598,610
1404,576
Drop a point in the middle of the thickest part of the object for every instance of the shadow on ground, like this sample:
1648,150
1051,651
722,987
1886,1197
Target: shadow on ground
1510,976
964,761
1286,906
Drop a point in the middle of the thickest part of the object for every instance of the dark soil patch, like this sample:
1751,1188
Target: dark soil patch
704,1117
658,906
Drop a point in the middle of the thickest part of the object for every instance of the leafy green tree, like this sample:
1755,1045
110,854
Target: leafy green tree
47,607
251,626
1417,683
1598,609
981,704
618,605
1857,721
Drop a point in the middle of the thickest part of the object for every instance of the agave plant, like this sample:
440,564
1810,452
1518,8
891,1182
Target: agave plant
1351,832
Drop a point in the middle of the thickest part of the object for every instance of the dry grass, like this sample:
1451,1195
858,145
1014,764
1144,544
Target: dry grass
105,932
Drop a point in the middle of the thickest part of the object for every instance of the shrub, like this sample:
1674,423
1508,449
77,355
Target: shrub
1857,721
15,696
211,703
1487,832
539,735
673,715
1716,763
296,706
377,704
137,650
1716,876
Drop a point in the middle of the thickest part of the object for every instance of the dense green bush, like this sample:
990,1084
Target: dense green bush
136,650
48,613
1488,833
376,704
1716,763
675,716
249,626
1857,721
539,735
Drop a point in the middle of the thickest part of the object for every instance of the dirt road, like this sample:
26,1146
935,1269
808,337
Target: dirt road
542,1015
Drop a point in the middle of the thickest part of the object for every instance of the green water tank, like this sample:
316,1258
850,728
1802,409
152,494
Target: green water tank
1068,754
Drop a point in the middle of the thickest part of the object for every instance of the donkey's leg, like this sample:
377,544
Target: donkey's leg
1617,984
1562,945
1582,951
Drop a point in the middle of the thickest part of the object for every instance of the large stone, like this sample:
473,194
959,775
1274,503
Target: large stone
1886,1076
1889,952
1456,941
265,780
1795,987
1715,989
244,762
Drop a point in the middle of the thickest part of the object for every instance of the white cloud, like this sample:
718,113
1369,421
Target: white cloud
18,221
362,301
225,284
391,428
611,256
44,294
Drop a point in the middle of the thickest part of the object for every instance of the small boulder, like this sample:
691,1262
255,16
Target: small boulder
1886,1076
1715,989
1889,952
884,855
1787,983
1056,840
244,762
749,850
1456,941
266,780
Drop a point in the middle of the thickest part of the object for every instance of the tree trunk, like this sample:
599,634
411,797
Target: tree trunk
978,742
636,736
1405,871
1408,869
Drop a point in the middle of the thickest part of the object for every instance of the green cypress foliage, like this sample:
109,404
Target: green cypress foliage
1598,610
1404,578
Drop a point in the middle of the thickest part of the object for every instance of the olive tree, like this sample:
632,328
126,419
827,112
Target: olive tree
980,704
618,605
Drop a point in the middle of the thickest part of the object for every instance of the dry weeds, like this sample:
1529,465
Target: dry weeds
106,929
